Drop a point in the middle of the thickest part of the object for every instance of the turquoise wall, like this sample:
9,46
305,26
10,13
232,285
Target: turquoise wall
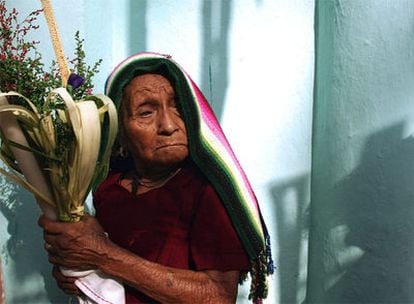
254,60
362,206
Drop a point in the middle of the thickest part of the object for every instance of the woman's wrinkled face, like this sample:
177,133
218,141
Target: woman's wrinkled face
153,129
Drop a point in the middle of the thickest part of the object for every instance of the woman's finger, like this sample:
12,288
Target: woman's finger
48,246
49,239
67,284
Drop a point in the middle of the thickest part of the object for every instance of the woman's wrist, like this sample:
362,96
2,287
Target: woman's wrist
112,257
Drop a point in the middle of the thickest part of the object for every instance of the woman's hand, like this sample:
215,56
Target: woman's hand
84,246
78,246
67,284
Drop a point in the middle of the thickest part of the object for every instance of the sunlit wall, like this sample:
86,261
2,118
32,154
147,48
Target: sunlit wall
253,60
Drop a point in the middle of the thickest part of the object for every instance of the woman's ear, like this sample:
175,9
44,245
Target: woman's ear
122,140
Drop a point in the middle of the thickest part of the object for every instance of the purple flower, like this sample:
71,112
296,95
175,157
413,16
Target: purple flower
75,81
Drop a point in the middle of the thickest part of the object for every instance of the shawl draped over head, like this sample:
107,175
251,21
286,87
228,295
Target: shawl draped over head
211,152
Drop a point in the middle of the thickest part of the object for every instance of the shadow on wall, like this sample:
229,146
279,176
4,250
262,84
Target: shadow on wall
374,211
291,203
138,25
25,246
215,49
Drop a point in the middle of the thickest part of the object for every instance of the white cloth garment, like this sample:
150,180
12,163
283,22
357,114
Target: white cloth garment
98,288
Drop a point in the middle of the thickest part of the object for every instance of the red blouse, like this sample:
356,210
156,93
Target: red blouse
182,224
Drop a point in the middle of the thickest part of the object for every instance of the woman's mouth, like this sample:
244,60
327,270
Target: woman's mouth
171,145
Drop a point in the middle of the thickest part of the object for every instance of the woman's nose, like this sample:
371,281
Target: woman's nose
167,124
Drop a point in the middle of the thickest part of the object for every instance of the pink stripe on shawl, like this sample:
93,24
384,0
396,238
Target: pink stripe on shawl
209,118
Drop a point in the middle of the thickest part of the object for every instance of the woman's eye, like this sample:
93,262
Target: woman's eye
173,103
145,113
176,111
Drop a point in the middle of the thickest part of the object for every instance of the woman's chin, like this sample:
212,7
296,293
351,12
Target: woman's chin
171,159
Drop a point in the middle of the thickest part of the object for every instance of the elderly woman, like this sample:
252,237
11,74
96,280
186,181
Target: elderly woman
182,222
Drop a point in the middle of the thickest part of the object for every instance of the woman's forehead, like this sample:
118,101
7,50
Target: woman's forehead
150,83
145,86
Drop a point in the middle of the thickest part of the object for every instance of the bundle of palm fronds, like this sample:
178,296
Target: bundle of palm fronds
60,151
56,147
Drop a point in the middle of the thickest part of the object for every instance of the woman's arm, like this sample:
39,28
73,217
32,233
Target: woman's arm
83,245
